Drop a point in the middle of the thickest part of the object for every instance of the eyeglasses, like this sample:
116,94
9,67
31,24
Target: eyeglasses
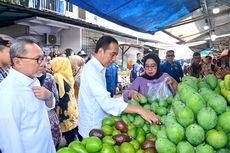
39,59
147,67
170,55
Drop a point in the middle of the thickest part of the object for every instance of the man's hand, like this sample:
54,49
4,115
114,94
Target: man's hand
134,95
148,116
41,92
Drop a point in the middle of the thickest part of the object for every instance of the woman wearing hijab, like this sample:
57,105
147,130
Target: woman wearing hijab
67,110
152,75
77,64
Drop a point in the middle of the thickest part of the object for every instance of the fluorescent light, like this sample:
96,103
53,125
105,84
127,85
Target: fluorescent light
206,27
216,10
213,36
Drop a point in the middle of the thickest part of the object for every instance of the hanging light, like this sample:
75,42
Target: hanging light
213,36
206,27
216,10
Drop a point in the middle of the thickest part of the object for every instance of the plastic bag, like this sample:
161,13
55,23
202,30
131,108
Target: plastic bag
159,91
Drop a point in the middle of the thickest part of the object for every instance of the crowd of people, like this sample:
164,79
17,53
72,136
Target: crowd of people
44,97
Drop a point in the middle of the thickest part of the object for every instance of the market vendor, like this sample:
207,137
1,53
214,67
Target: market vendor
95,102
140,86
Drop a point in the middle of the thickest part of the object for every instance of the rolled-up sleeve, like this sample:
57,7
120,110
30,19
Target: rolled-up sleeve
134,86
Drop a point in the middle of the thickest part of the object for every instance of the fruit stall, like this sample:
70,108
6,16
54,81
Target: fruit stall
196,119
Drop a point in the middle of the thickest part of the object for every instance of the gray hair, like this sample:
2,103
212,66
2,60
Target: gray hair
17,49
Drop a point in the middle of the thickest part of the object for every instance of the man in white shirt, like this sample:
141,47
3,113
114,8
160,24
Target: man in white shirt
24,123
94,101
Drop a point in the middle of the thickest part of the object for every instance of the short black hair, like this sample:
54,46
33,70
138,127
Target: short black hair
104,42
138,54
170,51
196,54
4,42
68,52
209,57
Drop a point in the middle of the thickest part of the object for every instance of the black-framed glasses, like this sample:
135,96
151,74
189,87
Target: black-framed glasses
39,59
170,55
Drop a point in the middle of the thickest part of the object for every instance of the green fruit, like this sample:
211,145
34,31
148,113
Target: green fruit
66,150
206,93
116,118
217,103
108,121
135,144
131,117
154,106
107,149
143,100
161,111
166,120
125,119
117,149
132,133
177,106
78,147
217,139
204,148
127,148
108,140
162,133
223,150
154,129
175,132
139,121
84,141
185,116
217,90
140,138
140,131
169,100
195,134
191,81
133,102
165,146
107,130
93,144
163,103
207,118
131,126
185,147
211,80
224,122
147,106
150,136
115,132
140,151
146,128
195,102
203,85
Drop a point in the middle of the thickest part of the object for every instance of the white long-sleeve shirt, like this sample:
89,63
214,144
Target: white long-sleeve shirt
94,101
24,123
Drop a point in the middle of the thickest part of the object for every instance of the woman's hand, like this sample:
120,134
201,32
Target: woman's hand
148,116
172,82
134,95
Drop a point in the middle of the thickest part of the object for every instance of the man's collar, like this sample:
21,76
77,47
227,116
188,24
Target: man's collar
97,63
27,81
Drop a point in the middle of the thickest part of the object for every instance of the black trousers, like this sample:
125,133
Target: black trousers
71,135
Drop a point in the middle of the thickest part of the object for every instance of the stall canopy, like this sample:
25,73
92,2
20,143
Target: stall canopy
140,15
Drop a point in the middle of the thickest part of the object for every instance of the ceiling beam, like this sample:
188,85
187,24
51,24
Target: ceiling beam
206,31
202,17
178,38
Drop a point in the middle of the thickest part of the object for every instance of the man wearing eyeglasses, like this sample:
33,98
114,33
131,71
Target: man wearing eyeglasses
173,68
24,123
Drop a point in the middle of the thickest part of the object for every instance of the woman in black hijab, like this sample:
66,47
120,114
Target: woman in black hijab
140,86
